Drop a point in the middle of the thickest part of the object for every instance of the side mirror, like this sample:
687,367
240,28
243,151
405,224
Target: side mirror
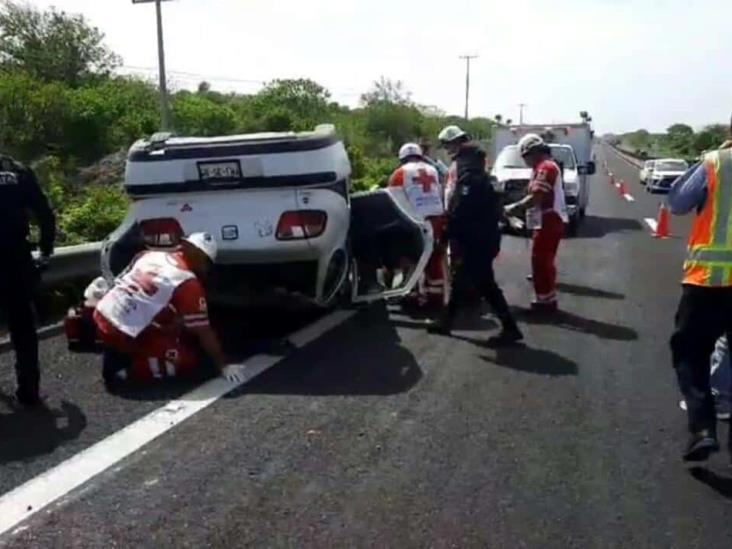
589,169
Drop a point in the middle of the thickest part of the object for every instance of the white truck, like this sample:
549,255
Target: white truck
571,146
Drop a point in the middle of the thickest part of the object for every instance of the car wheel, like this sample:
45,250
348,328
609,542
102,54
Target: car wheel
573,227
336,278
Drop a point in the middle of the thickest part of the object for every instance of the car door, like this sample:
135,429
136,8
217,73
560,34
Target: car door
390,245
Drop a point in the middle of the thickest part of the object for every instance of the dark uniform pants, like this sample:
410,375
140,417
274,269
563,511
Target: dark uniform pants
18,281
704,315
475,270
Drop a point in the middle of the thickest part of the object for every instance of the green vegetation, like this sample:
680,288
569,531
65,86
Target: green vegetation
679,141
62,108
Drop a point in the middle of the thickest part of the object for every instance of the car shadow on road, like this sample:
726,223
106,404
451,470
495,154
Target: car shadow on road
585,291
29,433
534,361
721,485
364,357
571,321
597,227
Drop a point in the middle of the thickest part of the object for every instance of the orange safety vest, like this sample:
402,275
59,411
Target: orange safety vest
709,257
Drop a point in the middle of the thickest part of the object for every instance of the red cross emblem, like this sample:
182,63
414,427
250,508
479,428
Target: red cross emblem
425,179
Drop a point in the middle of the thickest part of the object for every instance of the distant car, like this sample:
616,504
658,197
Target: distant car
664,173
645,171
280,207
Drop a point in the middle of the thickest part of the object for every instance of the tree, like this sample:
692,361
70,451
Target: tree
385,90
204,87
680,129
640,139
52,45
709,138
680,139
498,118
291,105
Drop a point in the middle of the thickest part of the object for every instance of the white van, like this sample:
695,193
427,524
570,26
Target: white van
280,208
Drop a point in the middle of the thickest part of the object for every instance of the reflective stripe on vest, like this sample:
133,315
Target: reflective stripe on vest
709,257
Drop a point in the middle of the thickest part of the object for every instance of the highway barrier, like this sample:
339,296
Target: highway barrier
71,263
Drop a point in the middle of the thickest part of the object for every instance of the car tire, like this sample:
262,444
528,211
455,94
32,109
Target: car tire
583,213
573,226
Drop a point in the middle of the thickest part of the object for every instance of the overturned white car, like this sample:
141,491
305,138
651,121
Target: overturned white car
280,208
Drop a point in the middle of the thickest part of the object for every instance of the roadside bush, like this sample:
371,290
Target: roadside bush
376,174
194,114
94,215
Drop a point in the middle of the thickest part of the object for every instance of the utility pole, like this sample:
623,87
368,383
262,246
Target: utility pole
467,81
164,103
521,113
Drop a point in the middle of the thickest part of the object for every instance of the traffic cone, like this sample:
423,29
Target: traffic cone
663,223
612,179
622,189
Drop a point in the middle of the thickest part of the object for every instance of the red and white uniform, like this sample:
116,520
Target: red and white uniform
552,214
146,312
421,184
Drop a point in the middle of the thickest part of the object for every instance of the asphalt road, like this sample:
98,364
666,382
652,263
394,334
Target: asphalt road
378,434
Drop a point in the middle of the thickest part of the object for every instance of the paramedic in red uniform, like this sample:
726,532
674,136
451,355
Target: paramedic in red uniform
154,321
546,215
421,183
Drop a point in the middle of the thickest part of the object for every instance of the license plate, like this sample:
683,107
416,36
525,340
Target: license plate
227,171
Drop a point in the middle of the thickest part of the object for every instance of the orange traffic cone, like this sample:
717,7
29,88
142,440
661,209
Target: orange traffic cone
621,188
663,223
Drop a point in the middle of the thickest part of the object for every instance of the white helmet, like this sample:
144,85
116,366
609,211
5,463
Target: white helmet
529,142
410,149
451,133
204,242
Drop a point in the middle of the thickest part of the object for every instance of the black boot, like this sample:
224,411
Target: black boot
701,445
441,326
510,335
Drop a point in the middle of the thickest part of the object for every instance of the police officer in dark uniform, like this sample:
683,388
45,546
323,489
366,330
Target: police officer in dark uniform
473,213
20,194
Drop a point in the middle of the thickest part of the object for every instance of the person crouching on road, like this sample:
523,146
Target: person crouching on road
546,214
421,184
154,321
472,227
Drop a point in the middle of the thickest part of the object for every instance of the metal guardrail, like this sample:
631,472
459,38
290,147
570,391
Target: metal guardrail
72,262
631,158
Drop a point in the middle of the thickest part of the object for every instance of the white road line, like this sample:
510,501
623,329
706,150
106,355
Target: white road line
36,494
651,223
628,197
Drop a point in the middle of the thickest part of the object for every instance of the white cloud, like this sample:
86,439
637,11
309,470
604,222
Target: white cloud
630,66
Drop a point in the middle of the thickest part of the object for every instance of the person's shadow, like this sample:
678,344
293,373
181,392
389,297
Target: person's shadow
533,361
365,358
28,433
571,321
721,485
586,291
597,227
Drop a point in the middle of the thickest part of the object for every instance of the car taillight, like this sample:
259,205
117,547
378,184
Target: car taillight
301,224
164,232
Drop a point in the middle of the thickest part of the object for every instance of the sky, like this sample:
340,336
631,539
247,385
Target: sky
631,64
